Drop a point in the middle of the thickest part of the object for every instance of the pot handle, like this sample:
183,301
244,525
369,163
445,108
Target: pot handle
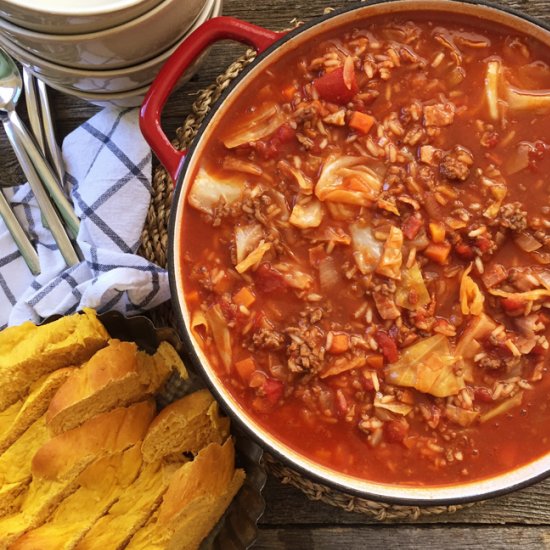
218,28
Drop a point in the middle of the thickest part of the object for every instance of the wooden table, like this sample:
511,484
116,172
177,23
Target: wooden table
291,520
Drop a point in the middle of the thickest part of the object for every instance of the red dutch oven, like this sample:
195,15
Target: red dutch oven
181,165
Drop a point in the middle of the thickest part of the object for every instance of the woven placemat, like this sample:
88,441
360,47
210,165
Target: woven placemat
154,245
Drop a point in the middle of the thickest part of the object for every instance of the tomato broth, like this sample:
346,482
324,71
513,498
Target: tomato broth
366,249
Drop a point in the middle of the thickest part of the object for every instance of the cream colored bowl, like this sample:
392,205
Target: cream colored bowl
128,44
72,16
131,98
99,81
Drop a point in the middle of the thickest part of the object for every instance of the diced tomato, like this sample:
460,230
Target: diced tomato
273,390
388,346
396,430
332,86
483,394
411,227
268,279
465,251
512,304
484,244
285,133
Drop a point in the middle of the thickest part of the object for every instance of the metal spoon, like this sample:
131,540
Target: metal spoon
10,92
30,158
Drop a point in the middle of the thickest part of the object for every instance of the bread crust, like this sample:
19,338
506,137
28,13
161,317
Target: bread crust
28,352
116,376
185,426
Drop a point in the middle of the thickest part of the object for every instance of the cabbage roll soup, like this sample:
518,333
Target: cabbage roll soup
367,250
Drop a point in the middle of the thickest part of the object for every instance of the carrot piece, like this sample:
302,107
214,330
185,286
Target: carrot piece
244,297
437,231
438,252
340,343
375,361
245,367
361,122
289,91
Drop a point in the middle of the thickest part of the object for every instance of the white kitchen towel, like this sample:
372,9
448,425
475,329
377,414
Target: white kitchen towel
108,167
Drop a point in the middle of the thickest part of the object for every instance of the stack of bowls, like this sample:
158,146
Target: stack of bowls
103,51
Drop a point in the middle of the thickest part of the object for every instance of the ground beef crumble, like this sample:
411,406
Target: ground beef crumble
454,169
268,339
511,216
305,350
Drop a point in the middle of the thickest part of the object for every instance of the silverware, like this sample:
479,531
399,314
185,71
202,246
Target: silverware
10,90
36,169
41,122
19,236
52,148
31,100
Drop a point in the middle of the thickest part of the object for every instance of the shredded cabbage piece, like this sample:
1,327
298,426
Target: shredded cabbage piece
305,184
427,366
347,180
340,211
392,257
208,191
247,238
528,296
461,416
528,100
492,79
343,364
499,191
543,277
469,344
199,320
393,406
254,258
328,274
220,334
503,407
294,277
367,250
262,124
308,214
471,297
412,282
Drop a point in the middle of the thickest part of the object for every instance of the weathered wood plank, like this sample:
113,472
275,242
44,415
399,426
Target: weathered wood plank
427,538
529,506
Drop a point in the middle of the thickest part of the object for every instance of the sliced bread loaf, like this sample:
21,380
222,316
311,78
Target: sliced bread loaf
28,352
100,485
185,426
15,465
198,494
25,412
59,462
115,376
